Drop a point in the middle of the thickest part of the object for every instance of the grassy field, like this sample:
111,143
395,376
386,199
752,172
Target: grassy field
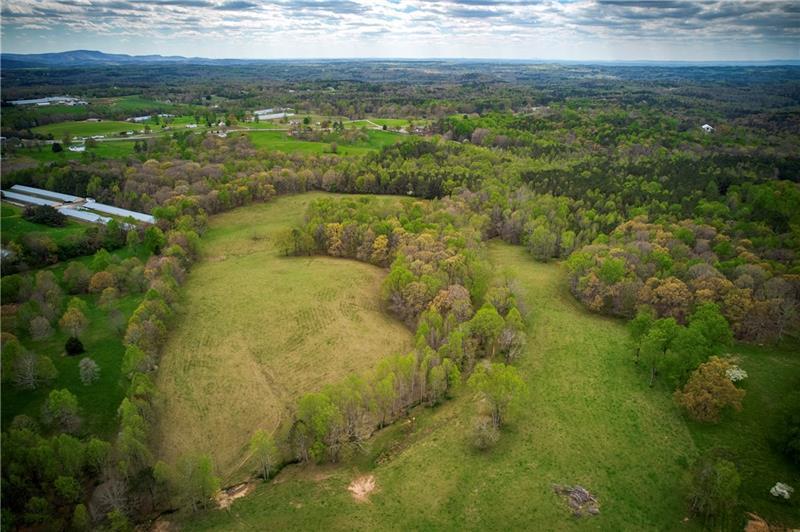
257,330
85,128
278,140
590,419
104,150
388,122
13,226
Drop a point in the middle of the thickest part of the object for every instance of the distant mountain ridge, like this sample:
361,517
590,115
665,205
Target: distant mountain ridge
94,57
97,58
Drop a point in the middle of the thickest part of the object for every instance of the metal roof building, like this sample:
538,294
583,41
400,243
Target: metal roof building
116,211
86,216
45,193
33,200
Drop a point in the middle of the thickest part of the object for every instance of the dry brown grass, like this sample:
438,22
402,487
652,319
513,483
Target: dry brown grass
257,330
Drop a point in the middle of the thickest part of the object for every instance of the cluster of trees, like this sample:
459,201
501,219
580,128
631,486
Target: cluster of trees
143,339
122,481
438,282
40,298
691,359
35,250
45,478
44,214
673,268
674,350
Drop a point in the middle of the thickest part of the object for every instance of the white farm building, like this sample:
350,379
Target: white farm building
85,209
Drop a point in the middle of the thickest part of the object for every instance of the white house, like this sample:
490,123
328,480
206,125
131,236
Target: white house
139,119
707,128
191,126
77,148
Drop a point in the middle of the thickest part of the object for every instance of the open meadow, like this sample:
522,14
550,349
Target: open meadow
590,418
117,149
257,330
280,141
86,128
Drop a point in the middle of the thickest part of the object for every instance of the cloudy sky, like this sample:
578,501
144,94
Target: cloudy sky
524,29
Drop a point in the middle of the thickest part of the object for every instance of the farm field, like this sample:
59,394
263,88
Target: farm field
116,149
278,140
84,128
591,419
258,329
388,122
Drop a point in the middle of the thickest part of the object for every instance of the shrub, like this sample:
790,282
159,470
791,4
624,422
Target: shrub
76,278
782,490
89,371
484,434
44,214
74,346
100,281
714,489
709,391
40,328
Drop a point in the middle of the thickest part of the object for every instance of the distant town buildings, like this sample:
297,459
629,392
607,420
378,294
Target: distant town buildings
51,100
139,119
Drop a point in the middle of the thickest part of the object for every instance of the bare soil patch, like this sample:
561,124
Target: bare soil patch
361,487
226,496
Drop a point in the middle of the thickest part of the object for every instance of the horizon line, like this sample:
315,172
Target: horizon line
421,58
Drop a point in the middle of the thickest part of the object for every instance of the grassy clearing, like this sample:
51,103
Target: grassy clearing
394,123
14,226
278,140
591,419
85,128
257,330
117,149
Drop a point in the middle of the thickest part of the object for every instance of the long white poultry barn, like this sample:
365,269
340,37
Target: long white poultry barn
33,200
116,211
84,215
76,206
46,193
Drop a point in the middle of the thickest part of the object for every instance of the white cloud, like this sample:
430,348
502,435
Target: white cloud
548,29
